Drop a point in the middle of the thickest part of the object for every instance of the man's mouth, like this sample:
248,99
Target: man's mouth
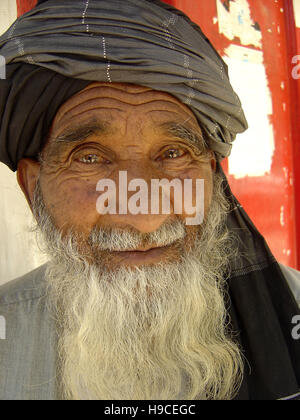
141,255
143,252
142,249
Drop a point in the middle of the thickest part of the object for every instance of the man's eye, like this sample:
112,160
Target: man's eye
173,153
89,159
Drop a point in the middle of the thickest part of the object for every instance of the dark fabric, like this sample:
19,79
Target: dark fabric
143,42
29,100
261,307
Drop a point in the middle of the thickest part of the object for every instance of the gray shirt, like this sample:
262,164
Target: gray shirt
27,337
27,354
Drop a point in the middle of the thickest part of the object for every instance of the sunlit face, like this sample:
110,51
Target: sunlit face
139,319
108,128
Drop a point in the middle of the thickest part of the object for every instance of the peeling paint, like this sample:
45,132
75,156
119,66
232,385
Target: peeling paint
282,215
286,172
252,151
282,85
297,12
215,20
237,22
244,54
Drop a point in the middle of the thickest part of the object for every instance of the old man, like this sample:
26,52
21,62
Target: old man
134,304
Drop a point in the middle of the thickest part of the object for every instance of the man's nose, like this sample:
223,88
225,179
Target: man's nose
134,199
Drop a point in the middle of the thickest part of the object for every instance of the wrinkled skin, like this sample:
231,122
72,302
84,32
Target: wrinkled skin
130,138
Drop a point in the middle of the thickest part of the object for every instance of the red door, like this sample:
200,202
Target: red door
259,39
269,192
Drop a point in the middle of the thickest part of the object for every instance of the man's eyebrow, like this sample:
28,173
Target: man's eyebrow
187,133
78,134
72,136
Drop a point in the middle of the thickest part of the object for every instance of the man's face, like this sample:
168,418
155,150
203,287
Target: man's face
134,322
107,128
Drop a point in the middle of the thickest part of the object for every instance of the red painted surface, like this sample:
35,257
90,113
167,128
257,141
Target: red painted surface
294,53
25,5
264,197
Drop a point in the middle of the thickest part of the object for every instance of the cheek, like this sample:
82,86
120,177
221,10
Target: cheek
197,194
72,203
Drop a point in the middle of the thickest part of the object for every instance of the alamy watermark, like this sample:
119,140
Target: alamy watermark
156,201
296,329
2,67
296,69
2,328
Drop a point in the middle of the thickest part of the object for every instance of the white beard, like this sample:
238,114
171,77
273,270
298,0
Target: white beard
148,333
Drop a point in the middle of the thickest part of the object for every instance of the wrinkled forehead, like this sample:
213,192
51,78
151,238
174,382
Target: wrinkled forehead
101,96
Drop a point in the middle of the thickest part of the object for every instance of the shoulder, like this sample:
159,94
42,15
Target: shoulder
292,276
28,287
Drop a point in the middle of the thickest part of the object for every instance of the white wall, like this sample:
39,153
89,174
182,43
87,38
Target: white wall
18,250
8,13
297,12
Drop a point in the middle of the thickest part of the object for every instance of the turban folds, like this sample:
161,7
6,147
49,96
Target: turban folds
59,47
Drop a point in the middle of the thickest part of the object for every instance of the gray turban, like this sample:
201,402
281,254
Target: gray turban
59,47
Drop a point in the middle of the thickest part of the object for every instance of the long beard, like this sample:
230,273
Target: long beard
150,333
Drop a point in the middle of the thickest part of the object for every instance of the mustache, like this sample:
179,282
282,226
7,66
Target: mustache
128,239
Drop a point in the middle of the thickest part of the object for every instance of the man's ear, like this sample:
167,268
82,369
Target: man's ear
213,162
27,176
